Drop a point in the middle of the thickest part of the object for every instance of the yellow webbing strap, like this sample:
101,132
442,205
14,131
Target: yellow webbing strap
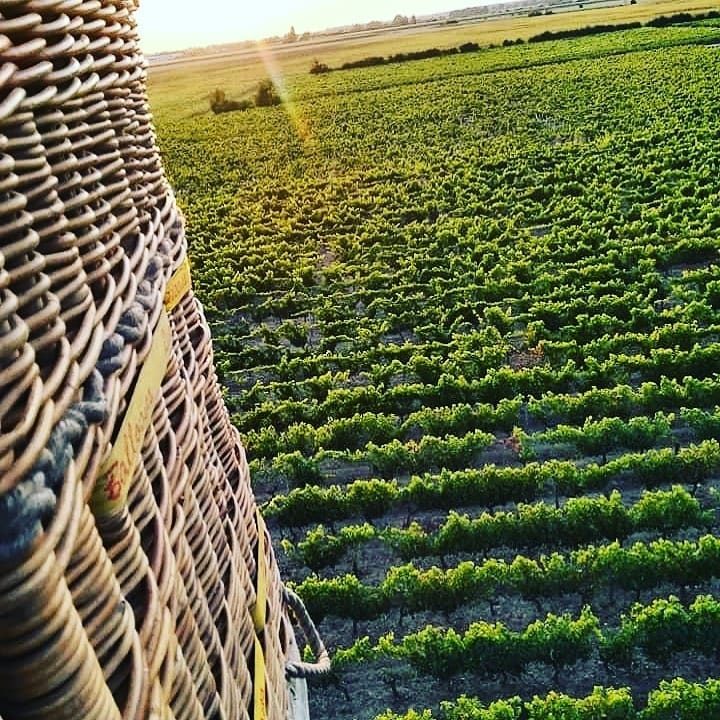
260,698
260,610
111,489
178,286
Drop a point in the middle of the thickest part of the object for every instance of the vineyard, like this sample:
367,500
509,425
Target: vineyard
465,311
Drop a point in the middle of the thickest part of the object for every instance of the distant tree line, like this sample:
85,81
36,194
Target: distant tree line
659,22
583,31
679,18
318,68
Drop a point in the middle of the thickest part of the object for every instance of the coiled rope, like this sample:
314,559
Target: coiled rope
33,500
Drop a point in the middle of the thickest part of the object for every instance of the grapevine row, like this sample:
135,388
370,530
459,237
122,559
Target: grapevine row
544,387
386,460
586,571
356,431
579,520
664,627
677,699
491,485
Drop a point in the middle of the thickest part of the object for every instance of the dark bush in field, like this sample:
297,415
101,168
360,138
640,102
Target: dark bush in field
266,94
420,55
319,68
365,62
220,103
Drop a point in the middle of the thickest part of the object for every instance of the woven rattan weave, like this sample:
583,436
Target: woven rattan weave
132,558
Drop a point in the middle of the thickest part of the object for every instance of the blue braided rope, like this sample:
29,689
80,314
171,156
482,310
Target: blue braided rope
32,502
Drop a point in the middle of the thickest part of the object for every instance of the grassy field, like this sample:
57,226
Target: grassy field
466,313
183,86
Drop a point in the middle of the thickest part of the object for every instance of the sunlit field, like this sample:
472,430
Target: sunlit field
465,310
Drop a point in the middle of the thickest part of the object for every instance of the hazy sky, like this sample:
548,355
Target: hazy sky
177,24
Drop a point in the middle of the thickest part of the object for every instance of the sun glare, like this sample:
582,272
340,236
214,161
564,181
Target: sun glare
299,122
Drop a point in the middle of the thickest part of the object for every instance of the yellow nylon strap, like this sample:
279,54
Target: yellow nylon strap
260,692
178,286
260,609
111,488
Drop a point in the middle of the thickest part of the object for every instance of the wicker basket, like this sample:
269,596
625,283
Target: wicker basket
132,558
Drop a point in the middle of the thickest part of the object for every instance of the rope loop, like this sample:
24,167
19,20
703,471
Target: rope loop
305,670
